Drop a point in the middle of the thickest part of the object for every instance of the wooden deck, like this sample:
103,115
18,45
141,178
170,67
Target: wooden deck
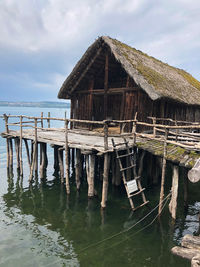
93,142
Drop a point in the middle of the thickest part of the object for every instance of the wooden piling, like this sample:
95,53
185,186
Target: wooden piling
174,190
28,154
78,168
163,172
66,157
42,124
105,180
61,166
16,140
56,163
42,160
185,185
20,148
10,153
34,164
90,178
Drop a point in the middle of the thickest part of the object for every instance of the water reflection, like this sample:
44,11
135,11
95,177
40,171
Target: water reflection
63,225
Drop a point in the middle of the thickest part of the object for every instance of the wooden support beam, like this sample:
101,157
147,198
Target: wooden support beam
56,163
163,172
10,154
106,87
42,161
105,180
48,120
66,158
91,176
17,152
78,168
86,69
174,190
20,148
61,166
28,154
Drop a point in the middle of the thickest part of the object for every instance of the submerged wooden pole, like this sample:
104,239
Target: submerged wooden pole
7,142
42,160
16,140
78,168
174,190
27,152
66,157
56,164
34,159
20,148
61,166
163,172
90,177
10,153
36,149
105,180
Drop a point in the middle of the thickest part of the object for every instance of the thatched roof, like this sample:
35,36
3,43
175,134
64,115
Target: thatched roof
157,79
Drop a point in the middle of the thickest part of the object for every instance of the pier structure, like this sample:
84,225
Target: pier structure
90,147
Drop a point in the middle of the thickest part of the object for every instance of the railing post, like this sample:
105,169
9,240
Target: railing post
134,131
163,171
48,120
154,127
105,129
67,157
42,120
20,147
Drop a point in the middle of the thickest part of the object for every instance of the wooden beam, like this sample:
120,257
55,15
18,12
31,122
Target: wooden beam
173,202
106,87
86,69
117,90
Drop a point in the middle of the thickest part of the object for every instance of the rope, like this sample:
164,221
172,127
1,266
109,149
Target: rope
116,244
128,229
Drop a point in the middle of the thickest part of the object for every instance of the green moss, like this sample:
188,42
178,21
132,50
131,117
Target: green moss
153,77
189,78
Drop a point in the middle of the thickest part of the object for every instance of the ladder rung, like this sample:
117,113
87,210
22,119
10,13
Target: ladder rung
141,205
120,144
129,167
137,193
125,155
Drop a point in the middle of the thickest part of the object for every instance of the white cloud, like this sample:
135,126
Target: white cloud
47,29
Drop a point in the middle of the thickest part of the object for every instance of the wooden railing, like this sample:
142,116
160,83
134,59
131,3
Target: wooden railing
177,133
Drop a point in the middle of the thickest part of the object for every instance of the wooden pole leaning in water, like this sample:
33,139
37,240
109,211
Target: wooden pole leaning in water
61,166
17,153
90,174
20,148
163,172
67,158
174,190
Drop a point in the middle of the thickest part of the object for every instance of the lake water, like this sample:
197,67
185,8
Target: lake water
41,226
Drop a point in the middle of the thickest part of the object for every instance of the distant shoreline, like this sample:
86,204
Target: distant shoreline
43,104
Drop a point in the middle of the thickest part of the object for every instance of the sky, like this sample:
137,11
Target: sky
42,40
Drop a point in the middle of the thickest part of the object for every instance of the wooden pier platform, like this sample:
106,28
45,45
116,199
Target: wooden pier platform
178,142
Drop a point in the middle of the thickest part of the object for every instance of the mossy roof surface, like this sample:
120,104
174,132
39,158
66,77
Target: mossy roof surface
157,79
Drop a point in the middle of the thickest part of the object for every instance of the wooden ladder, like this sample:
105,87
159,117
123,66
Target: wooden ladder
133,187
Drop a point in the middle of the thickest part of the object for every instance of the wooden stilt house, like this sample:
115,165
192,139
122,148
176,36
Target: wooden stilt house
114,81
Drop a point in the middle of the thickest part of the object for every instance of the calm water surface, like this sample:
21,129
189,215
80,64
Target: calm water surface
41,226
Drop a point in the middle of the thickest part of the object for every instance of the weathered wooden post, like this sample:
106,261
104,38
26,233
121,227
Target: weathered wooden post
154,127
7,142
90,174
20,148
35,154
163,171
17,152
48,120
56,164
42,120
174,191
106,167
66,157
78,168
11,154
28,154
61,166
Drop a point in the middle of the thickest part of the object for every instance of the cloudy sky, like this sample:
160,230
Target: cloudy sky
41,40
